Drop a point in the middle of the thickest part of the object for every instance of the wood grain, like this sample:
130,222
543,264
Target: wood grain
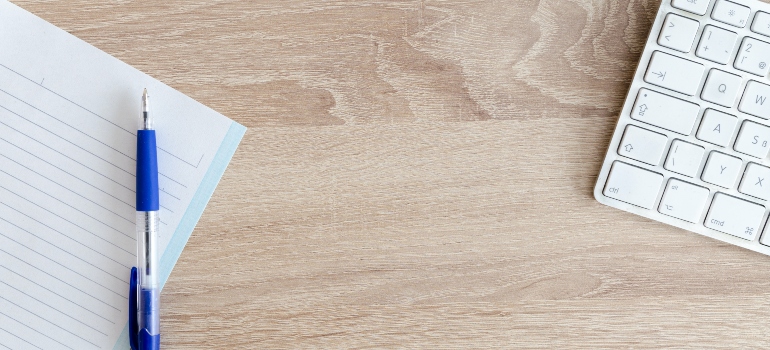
418,174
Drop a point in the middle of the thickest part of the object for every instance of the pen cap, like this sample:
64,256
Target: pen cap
146,171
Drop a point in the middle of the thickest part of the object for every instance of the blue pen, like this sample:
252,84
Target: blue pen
144,301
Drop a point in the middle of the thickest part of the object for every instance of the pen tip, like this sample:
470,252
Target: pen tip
147,121
145,101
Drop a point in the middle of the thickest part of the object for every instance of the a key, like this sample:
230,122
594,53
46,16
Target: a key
684,158
754,100
721,88
717,127
753,139
753,57
761,23
735,216
674,73
722,170
731,13
697,7
756,181
643,145
678,32
633,185
716,44
683,200
665,111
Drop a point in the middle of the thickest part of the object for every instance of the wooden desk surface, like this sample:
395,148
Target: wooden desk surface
418,174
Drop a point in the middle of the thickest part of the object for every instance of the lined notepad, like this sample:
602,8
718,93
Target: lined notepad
68,120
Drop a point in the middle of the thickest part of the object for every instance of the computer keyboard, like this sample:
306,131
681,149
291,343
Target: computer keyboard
691,145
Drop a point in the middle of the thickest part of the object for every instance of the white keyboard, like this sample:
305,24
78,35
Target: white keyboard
691,145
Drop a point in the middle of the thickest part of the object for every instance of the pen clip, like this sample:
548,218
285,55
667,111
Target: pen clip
133,325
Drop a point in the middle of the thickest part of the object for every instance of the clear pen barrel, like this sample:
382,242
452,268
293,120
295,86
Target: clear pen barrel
147,266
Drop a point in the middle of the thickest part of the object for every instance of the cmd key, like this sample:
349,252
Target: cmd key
674,73
735,216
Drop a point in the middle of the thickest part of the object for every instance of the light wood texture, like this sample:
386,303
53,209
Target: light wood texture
418,174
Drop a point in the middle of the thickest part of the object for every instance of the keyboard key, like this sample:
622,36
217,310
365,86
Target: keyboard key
717,127
643,145
716,44
731,13
734,216
683,200
722,170
678,32
761,23
633,185
721,88
753,139
765,238
684,158
753,57
756,181
697,7
674,73
754,100
665,111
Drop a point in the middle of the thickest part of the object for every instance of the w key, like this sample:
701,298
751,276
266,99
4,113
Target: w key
674,73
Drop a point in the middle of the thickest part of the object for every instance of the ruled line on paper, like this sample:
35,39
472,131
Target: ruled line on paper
52,308
58,295
17,337
68,189
97,115
63,250
62,281
172,180
62,265
68,205
62,154
68,141
48,321
68,173
67,220
67,124
3,345
34,330
59,232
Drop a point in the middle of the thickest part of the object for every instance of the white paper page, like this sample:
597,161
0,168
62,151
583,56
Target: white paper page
68,120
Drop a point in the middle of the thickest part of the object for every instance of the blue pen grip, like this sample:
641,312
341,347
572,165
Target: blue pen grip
146,171
149,324
147,341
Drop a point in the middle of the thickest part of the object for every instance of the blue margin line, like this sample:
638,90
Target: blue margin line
194,211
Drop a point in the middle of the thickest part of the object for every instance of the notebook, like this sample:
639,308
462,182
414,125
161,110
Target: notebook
68,119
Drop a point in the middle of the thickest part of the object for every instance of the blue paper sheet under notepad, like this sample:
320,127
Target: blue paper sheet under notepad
68,119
